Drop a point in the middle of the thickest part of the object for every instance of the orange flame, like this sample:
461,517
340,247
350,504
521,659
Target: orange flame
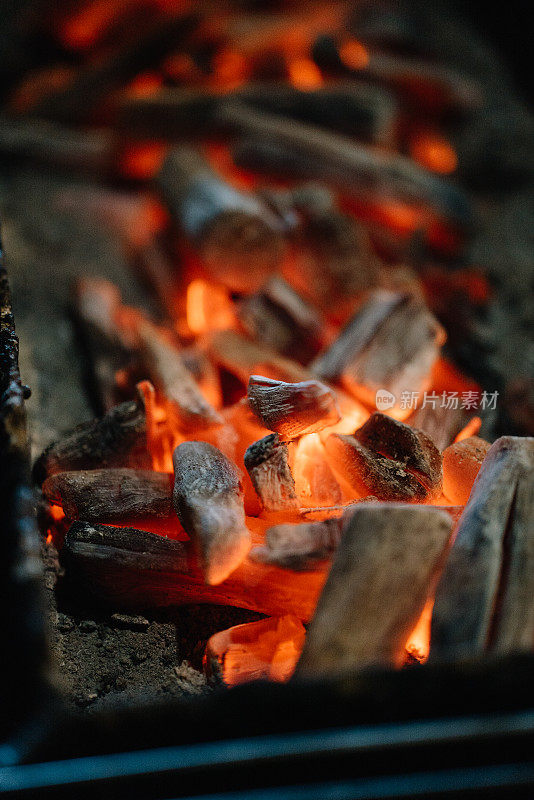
304,74
209,307
434,152
354,54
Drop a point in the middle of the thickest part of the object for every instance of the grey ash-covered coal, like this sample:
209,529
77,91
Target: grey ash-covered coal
106,657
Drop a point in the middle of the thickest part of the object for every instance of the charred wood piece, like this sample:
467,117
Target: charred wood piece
390,344
208,498
118,439
299,546
110,495
280,318
171,376
461,464
484,600
267,463
370,473
441,424
377,587
243,358
321,154
292,409
95,303
234,232
131,569
410,447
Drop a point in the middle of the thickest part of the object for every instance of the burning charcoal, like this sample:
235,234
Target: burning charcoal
267,463
208,498
409,447
110,495
323,155
268,648
119,439
352,167
96,303
130,569
278,317
176,383
299,546
390,345
292,409
335,259
77,101
436,88
461,464
233,231
484,600
377,588
243,358
370,473
441,424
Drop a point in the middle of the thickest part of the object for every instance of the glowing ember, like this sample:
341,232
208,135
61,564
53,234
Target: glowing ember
304,74
435,153
208,307
418,644
354,54
268,648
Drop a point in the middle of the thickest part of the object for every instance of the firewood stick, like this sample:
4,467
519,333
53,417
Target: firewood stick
390,344
376,589
95,303
351,166
366,112
437,88
131,569
234,232
78,100
277,316
348,164
299,546
267,463
110,495
243,358
292,409
176,383
42,142
208,498
484,597
118,439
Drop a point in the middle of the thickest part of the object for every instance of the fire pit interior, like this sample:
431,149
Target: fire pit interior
272,277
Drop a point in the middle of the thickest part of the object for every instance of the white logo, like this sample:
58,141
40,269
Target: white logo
384,400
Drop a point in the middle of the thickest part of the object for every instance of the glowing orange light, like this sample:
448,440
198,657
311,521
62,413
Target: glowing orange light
208,307
305,74
471,429
230,68
83,29
141,160
419,639
145,84
57,513
354,54
434,152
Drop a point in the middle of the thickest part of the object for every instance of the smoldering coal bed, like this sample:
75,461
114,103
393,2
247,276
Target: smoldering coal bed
288,275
